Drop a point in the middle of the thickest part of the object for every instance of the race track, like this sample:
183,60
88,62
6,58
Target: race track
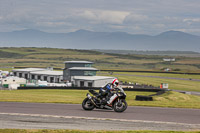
69,116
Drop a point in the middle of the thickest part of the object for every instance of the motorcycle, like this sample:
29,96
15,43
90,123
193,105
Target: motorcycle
96,100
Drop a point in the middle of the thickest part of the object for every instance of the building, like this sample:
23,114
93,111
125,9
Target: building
69,64
91,81
25,73
47,75
82,74
169,59
78,68
79,73
12,82
39,74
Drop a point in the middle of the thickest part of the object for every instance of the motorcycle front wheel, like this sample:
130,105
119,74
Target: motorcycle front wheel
120,106
87,104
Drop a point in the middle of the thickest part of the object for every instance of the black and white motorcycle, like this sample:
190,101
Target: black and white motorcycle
117,101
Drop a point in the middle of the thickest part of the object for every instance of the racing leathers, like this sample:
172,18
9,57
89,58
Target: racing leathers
106,91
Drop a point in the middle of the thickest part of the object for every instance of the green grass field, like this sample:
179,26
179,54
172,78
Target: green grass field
81,131
169,99
185,76
54,57
186,85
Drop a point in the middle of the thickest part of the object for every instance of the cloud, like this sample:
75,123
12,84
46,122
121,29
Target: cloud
117,27
197,20
159,26
103,16
51,24
188,30
134,17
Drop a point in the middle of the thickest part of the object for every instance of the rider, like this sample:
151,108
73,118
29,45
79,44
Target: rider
106,90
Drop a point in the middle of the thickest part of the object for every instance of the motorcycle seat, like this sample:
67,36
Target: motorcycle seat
94,92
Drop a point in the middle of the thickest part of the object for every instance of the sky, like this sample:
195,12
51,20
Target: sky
150,17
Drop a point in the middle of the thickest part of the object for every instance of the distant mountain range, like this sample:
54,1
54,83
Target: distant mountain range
83,39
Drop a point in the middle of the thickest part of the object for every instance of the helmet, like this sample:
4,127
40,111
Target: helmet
115,82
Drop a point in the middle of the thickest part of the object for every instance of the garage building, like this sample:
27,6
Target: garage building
91,81
39,74
47,75
25,73
80,73
78,68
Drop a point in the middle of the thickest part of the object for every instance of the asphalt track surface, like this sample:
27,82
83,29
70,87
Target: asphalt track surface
72,116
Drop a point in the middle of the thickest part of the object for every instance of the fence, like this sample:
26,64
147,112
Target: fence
87,88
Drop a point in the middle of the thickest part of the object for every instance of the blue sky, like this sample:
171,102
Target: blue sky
133,16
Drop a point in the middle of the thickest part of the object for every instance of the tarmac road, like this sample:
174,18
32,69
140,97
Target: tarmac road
72,116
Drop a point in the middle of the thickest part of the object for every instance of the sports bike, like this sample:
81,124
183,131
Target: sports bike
117,101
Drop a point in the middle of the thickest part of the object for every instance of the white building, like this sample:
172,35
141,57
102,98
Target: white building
47,75
25,73
78,68
169,59
12,82
80,73
91,81
39,74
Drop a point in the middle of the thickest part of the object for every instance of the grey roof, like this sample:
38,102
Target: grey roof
85,62
48,72
91,77
83,68
29,69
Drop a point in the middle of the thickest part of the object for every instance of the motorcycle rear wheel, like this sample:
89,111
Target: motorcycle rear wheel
120,107
87,104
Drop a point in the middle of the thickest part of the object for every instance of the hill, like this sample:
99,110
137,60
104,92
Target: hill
83,39
168,53
54,57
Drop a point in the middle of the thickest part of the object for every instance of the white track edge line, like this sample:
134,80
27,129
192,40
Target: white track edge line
94,118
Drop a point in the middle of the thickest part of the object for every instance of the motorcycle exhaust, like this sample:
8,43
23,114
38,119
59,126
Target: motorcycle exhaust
89,97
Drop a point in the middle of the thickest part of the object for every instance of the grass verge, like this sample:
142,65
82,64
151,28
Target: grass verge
169,99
